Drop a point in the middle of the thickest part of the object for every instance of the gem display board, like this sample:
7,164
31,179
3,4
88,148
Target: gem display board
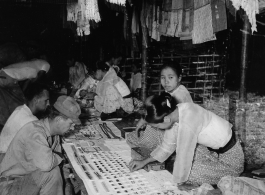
107,173
96,131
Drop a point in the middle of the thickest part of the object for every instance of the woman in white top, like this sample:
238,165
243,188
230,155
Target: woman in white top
205,145
170,79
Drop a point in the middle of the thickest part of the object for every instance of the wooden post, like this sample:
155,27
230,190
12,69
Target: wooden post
242,90
244,58
144,62
144,51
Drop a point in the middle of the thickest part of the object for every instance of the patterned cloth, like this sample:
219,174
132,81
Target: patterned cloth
208,167
202,25
108,98
150,138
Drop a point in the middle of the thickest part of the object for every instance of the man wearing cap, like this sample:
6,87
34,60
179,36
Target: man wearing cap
30,165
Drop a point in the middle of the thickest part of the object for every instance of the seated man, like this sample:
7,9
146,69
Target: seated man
11,94
30,165
37,100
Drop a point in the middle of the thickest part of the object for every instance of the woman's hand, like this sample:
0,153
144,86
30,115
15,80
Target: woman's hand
187,187
141,123
136,165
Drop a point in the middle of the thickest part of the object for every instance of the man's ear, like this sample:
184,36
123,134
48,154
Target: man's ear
35,100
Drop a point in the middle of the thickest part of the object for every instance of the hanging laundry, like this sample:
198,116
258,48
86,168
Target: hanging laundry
177,4
91,10
167,5
173,22
149,19
231,8
202,27
119,2
187,24
164,24
71,12
218,15
135,21
179,26
251,8
188,4
156,25
200,3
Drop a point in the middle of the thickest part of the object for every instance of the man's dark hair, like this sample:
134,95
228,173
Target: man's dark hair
34,90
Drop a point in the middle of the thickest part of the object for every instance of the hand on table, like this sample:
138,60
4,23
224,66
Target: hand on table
136,165
187,187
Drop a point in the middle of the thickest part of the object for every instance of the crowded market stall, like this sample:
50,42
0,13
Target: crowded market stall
125,103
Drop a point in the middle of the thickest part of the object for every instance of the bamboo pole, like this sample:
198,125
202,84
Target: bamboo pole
144,51
144,63
242,90
244,59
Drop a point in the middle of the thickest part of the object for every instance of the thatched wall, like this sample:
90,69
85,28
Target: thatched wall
249,123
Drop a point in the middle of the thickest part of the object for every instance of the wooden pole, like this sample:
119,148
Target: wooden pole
144,68
244,58
144,52
242,91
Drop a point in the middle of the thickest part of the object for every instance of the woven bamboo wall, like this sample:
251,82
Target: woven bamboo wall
203,75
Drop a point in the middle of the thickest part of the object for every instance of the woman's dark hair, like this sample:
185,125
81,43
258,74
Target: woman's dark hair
175,67
34,90
157,107
102,66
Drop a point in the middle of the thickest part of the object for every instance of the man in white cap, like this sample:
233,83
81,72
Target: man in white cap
30,165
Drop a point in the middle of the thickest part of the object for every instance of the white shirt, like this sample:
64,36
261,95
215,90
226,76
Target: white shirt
136,80
21,116
26,70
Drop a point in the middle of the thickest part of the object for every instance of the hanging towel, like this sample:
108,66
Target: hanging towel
177,4
179,26
172,26
188,4
163,26
167,5
218,15
200,3
202,26
135,21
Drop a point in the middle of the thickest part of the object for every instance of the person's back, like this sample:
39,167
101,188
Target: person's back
31,163
21,116
37,101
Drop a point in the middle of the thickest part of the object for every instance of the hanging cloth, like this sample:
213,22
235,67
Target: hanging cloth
118,2
202,28
177,4
173,23
156,25
179,26
149,18
135,21
71,12
165,20
218,15
167,5
200,3
251,8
